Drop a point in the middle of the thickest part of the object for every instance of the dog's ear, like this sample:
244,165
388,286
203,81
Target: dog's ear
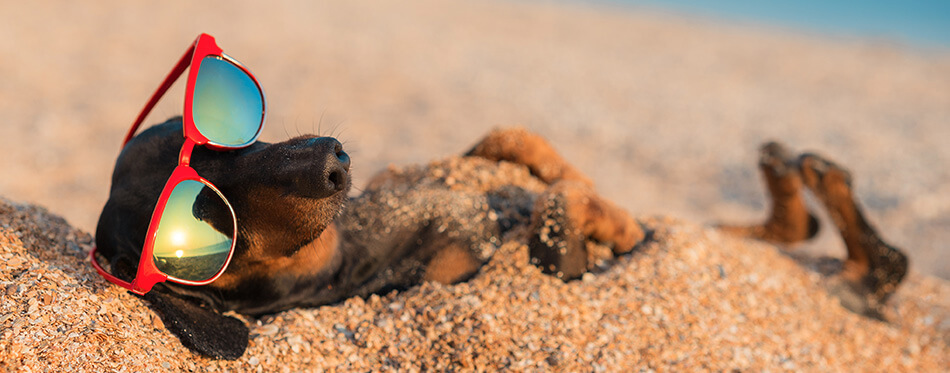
200,328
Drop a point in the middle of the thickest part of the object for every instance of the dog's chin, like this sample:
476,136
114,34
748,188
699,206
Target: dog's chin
325,211
319,188
321,207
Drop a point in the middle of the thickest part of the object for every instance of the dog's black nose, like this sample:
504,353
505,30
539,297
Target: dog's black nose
317,166
337,168
336,163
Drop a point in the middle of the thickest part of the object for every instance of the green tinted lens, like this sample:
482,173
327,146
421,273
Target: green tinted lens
187,246
227,107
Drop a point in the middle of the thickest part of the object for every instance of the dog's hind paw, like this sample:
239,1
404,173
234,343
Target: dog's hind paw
789,221
873,267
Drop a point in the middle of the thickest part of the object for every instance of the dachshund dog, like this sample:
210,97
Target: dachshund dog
302,242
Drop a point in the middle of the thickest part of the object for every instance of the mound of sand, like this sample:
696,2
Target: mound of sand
691,299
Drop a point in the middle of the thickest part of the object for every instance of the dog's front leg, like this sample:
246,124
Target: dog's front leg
568,214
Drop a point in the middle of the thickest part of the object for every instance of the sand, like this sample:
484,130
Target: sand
664,113
691,300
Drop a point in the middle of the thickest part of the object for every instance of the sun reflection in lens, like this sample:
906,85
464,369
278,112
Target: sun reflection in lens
187,246
178,239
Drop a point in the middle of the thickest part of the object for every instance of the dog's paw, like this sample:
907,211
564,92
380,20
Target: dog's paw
201,329
556,244
789,220
830,182
565,217
873,268
518,145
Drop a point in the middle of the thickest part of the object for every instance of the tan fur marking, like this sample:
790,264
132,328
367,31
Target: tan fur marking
598,218
311,258
832,188
451,265
518,145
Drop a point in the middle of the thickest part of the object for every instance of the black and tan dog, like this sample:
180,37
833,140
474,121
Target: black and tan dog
303,243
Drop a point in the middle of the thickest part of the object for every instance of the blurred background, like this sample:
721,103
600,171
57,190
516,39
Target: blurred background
663,104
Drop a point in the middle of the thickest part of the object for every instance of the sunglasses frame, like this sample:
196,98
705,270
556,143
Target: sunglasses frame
148,274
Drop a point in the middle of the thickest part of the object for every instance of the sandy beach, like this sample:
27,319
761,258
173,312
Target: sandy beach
664,113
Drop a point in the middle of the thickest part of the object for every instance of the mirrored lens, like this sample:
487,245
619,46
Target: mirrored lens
227,107
188,245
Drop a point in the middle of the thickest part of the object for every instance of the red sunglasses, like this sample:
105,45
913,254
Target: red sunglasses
224,110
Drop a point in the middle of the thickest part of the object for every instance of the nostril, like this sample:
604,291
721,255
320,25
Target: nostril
337,180
344,160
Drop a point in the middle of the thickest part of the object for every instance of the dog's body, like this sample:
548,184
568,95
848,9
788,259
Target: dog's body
302,242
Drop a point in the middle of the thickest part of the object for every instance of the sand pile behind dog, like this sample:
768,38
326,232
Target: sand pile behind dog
692,299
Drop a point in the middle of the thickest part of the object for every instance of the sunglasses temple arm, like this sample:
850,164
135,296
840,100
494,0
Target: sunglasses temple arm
104,273
183,64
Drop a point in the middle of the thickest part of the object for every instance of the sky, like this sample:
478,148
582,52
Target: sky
916,23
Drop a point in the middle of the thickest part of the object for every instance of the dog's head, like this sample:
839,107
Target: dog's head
285,196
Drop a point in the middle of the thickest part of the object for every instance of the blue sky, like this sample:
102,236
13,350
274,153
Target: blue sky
924,23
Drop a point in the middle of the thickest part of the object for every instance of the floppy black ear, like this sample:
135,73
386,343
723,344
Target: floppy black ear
200,328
